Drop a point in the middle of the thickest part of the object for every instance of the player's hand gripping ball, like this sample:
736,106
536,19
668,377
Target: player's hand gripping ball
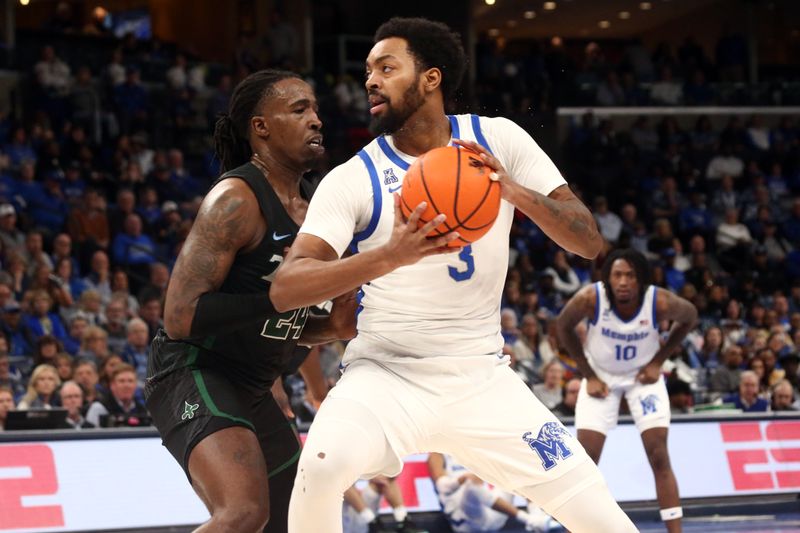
456,182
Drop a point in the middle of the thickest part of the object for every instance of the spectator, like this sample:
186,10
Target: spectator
131,102
115,325
609,223
41,389
13,239
52,74
725,379
88,225
667,200
567,406
791,226
115,70
666,91
77,325
34,253
724,198
85,103
63,363
99,280
137,348
550,392
71,396
609,91
94,345
725,164
90,306
680,397
783,397
769,356
133,248
565,280
15,331
789,362
695,218
151,312
120,288
121,407
508,326
157,284
6,404
42,321
86,376
10,377
747,398
46,350
126,205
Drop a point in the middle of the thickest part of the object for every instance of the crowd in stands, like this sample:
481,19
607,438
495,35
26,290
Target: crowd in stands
95,202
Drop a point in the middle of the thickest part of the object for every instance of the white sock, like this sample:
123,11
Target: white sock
522,516
367,515
400,513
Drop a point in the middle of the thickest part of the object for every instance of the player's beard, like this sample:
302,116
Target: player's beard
394,118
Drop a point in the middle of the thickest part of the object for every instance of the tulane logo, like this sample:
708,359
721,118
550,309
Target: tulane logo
549,444
188,410
649,404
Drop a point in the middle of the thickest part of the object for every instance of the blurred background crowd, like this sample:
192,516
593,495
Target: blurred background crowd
106,154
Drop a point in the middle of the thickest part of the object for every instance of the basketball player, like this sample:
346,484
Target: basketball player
471,506
426,370
623,357
224,344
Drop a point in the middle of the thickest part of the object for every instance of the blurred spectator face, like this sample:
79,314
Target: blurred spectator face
64,367
713,340
6,403
126,201
770,317
48,350
90,302
46,382
794,322
123,386
77,327
508,320
175,158
42,304
733,310
767,355
115,312
100,262
629,213
757,366
64,269
5,366
782,396
8,221
571,392
33,243
781,305
62,245
623,281
71,398
119,281
733,357
748,388
530,327
138,334
133,225
727,182
12,317
86,375
159,275
601,205
5,294
553,375
151,311
731,216
697,244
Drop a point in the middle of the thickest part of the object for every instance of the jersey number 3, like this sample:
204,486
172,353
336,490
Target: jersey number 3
289,323
469,265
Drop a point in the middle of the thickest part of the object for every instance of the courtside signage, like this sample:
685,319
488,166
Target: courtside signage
134,483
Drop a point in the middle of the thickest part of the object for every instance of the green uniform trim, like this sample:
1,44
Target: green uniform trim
285,465
201,386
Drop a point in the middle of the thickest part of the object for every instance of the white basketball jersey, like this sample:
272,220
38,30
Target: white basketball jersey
452,468
444,304
622,346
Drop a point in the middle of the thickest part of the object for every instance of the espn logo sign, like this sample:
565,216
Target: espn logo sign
762,455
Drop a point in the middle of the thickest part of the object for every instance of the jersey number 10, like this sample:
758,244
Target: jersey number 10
625,353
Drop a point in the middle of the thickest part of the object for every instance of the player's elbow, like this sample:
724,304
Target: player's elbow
175,329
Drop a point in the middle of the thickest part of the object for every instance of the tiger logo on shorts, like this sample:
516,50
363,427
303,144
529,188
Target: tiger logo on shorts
549,444
649,404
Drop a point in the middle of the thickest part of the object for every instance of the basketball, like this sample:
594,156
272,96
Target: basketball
453,181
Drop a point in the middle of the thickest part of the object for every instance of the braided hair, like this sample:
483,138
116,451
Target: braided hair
232,130
637,261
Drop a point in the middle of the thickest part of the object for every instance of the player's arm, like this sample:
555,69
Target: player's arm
560,214
580,307
683,315
340,324
313,272
228,221
311,372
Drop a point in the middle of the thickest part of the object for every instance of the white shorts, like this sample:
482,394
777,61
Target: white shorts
468,513
649,404
475,409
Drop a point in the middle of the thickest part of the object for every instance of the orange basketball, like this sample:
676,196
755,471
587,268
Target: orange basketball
453,181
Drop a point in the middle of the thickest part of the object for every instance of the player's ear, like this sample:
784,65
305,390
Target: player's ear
431,79
260,126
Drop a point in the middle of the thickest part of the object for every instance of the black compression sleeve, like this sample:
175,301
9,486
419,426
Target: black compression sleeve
219,313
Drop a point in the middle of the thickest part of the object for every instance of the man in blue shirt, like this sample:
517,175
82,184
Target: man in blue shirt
747,399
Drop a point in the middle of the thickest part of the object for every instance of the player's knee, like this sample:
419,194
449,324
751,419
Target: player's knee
325,468
659,459
245,516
